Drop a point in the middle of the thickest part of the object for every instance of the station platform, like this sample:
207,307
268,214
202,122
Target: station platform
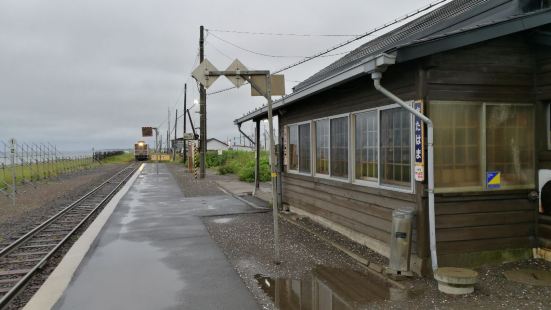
155,253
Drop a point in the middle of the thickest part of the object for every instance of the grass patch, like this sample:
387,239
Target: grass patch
240,163
125,157
31,172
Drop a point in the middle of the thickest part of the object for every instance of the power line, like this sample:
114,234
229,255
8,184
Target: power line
264,54
396,21
377,29
218,50
251,51
283,34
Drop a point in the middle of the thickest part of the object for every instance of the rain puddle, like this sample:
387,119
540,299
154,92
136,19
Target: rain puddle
223,220
328,288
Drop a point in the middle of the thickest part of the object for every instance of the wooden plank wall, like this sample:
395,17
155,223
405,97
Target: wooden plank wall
543,91
501,70
362,209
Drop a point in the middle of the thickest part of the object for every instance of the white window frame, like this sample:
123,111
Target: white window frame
377,183
314,161
352,151
297,171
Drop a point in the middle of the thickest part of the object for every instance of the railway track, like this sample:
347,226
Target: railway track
20,260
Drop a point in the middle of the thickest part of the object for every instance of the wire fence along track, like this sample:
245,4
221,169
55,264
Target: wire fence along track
31,162
20,260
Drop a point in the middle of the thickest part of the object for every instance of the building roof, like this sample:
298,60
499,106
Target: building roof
458,23
215,140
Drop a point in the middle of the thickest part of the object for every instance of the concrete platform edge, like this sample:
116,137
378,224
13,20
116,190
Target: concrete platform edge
59,279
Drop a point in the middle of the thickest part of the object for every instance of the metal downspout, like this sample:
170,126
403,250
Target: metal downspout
376,76
244,134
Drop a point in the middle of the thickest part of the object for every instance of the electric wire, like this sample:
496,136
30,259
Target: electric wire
366,34
283,34
270,55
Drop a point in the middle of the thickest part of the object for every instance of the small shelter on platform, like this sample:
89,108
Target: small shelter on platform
481,71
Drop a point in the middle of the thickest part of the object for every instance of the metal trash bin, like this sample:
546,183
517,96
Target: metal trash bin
400,242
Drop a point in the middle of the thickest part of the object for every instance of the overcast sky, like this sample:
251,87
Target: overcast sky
83,74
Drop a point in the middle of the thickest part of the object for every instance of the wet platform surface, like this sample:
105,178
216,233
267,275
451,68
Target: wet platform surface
155,253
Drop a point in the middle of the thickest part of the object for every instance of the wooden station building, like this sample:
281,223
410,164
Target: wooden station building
481,71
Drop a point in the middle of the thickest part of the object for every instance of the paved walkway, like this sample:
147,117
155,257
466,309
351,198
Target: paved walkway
155,253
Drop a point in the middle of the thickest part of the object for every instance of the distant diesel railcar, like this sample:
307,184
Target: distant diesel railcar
141,151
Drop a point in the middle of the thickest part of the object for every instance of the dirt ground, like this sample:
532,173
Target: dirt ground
247,242
36,202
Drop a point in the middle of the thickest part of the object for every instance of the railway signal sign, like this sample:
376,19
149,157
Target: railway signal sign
147,131
237,66
261,83
200,73
277,81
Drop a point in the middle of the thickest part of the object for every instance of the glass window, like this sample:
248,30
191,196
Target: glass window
304,148
322,146
366,155
457,144
460,144
510,143
293,147
339,147
395,147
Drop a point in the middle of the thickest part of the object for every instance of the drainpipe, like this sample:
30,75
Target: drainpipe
376,76
248,138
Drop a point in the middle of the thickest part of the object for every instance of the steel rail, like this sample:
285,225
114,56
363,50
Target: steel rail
12,293
5,251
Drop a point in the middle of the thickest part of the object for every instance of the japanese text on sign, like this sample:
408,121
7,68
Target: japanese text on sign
419,145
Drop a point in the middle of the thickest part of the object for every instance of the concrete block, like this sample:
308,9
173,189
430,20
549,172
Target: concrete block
454,289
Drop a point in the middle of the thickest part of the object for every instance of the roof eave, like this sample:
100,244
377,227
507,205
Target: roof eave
366,66
471,36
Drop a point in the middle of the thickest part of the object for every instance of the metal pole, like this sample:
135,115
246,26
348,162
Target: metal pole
202,111
257,158
376,76
168,133
175,136
185,109
13,146
273,169
157,149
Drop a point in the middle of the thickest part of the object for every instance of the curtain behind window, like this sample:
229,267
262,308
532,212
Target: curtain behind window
304,148
395,147
293,147
339,147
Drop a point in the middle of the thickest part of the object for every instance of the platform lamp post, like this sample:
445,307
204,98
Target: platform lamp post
261,85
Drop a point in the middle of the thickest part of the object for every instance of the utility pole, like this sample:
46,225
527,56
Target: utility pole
168,133
202,110
175,136
185,112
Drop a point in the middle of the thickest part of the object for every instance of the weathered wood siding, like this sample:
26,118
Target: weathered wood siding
362,209
544,231
543,72
476,224
543,92
500,70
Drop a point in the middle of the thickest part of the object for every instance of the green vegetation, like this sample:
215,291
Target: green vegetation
30,172
125,157
240,163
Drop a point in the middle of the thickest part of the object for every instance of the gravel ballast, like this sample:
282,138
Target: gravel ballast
247,241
